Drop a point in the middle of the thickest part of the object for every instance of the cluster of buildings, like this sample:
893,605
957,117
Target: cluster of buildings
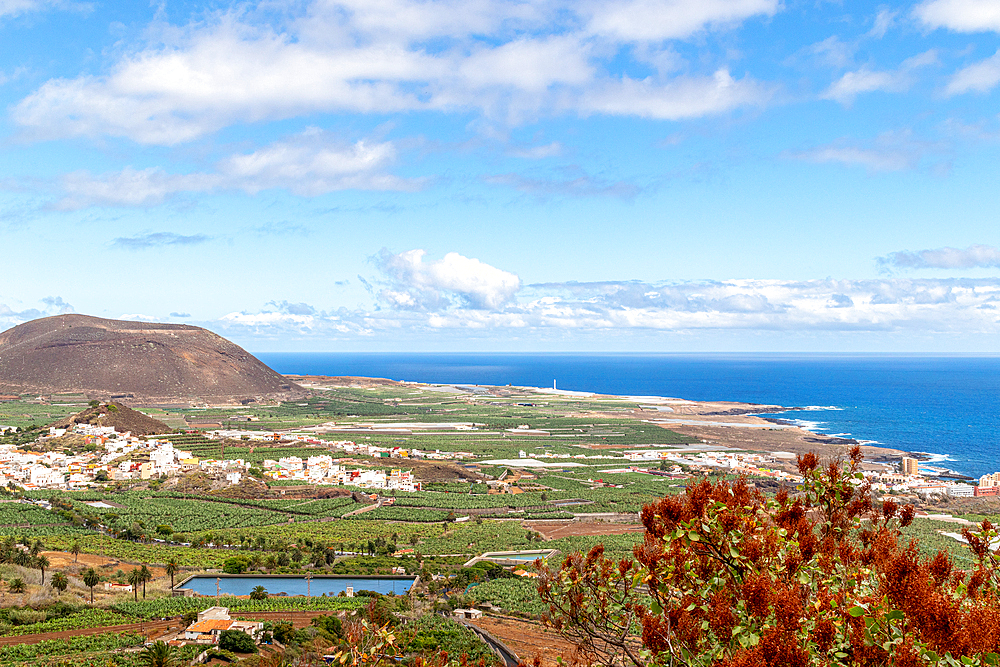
346,446
323,470
910,479
212,622
734,462
122,456
41,470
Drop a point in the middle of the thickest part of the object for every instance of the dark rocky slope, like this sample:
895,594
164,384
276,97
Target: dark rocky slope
133,361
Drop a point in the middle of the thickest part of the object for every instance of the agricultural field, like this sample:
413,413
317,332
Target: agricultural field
514,596
167,607
436,529
23,414
87,618
88,650
434,634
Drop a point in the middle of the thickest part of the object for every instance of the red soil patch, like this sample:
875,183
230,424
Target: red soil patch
552,530
529,639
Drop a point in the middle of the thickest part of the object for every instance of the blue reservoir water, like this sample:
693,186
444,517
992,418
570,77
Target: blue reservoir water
297,585
947,406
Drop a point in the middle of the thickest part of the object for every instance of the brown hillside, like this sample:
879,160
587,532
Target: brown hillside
135,361
121,417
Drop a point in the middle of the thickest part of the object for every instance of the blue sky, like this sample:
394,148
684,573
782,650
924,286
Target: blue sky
640,175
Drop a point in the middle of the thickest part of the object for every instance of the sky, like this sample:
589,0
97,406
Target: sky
486,175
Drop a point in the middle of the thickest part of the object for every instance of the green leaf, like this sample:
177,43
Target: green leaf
693,536
857,610
896,615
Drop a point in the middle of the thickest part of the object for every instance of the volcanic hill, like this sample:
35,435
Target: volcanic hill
139,362
121,417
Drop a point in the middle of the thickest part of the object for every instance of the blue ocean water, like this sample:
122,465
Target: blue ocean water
946,406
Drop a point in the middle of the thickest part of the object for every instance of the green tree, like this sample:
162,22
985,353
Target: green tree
41,562
157,654
172,568
135,578
75,550
146,575
59,582
237,641
258,593
17,585
91,578
235,565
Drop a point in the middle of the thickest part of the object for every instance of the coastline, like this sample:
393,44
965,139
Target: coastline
728,424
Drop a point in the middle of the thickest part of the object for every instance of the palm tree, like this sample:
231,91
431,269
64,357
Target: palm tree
41,562
75,550
135,578
172,568
157,654
258,593
91,579
17,585
37,547
59,582
146,576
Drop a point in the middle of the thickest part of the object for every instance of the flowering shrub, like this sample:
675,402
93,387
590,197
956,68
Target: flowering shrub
818,577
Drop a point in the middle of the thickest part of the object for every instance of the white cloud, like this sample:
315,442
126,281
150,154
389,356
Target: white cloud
655,20
19,7
683,97
865,80
580,186
979,77
975,256
612,308
871,159
312,164
536,152
960,15
309,164
158,240
883,21
129,187
504,60
50,305
891,151
412,283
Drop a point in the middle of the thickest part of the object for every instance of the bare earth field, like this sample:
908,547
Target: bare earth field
528,640
553,530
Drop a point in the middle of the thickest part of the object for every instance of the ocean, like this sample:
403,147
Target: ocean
948,407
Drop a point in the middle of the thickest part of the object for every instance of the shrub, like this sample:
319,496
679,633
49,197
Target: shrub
819,578
237,641
235,565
